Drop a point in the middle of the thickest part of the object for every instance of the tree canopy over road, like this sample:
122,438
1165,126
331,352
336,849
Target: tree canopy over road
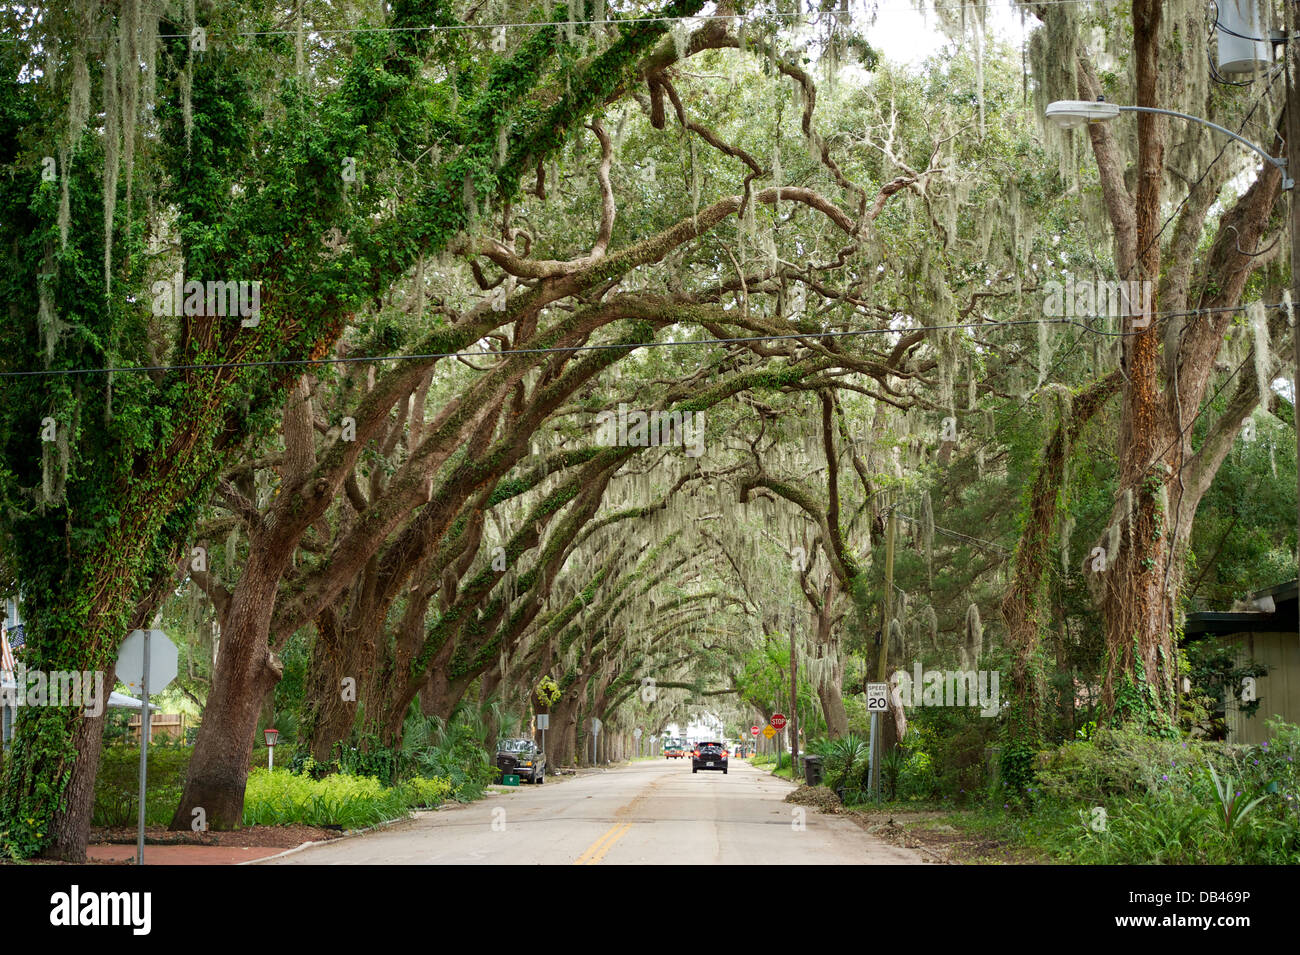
603,360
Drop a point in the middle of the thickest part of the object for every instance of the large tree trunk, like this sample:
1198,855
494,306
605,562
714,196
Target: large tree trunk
330,705
1161,476
487,689
837,718
69,824
830,690
560,737
444,692
1140,663
568,739
57,749
246,671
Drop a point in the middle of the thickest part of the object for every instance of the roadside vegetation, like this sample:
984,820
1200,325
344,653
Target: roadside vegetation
1116,797
442,761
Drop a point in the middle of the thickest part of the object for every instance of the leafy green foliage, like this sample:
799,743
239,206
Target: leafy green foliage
1170,802
1216,674
452,749
845,766
117,787
1233,809
340,800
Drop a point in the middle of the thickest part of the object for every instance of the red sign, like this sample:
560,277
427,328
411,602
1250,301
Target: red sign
778,721
753,730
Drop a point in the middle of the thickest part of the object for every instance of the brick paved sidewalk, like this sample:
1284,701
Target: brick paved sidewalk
180,855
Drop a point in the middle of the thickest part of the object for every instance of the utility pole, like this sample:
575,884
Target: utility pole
794,704
1292,49
882,657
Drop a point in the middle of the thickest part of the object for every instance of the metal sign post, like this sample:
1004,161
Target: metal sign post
871,756
147,659
877,703
144,752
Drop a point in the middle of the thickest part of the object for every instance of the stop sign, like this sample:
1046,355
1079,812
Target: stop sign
753,730
778,721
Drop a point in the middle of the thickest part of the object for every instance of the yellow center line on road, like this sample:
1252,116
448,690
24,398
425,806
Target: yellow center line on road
591,849
596,851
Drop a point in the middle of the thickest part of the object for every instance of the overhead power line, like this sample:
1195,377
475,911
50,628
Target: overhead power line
957,535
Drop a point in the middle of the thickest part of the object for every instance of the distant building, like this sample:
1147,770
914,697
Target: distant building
11,648
1266,630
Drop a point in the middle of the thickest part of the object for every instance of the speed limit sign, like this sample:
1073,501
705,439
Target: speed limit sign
877,697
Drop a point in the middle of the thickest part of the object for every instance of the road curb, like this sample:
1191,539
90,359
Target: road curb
289,852
351,834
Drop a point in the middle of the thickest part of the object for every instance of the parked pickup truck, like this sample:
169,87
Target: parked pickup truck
522,758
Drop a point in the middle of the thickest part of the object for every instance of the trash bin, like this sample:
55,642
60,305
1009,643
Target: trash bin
812,770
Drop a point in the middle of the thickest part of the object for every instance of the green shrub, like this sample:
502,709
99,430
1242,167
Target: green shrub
372,758
1124,762
279,797
844,766
450,749
117,787
958,756
916,778
1157,831
1173,802
944,754
424,793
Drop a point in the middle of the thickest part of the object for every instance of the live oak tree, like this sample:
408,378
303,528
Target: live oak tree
96,517
1201,264
384,543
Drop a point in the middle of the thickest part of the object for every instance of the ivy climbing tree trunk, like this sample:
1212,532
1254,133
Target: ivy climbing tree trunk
1168,362
1022,602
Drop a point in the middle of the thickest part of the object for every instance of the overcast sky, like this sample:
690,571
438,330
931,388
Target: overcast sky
906,36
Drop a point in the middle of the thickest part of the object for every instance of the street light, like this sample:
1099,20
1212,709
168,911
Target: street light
271,735
1073,113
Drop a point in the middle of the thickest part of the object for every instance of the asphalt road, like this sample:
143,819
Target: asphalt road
647,813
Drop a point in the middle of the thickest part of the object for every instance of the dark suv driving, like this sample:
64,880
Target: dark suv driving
709,756
521,757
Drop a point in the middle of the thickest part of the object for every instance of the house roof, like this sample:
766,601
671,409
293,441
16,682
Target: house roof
1276,613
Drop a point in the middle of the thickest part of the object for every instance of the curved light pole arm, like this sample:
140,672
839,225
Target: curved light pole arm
1279,162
